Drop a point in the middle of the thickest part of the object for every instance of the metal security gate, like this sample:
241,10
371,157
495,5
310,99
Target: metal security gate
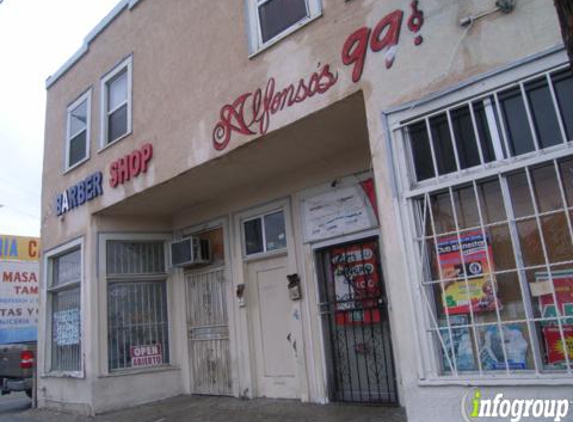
355,321
208,333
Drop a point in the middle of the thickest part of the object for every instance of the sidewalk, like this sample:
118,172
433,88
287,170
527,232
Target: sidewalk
226,409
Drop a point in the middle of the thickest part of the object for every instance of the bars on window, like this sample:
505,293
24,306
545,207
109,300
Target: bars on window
126,257
64,295
528,116
505,302
138,326
137,320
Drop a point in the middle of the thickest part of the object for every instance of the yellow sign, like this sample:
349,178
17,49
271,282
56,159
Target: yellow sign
18,248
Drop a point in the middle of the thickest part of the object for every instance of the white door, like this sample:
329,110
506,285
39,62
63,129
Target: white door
274,338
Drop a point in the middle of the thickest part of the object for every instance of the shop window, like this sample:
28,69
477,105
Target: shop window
527,117
64,302
138,325
495,246
116,103
270,20
78,131
265,233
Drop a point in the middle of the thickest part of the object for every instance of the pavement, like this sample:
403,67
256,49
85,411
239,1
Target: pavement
223,409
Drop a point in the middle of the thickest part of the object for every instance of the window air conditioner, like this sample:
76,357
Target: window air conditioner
190,251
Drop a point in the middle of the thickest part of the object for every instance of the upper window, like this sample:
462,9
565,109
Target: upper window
78,131
265,233
270,20
64,302
116,103
522,118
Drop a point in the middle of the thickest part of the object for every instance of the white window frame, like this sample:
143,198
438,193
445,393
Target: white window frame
255,37
86,96
406,188
103,305
49,256
259,213
125,65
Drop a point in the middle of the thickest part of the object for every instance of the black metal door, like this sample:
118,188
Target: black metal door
355,320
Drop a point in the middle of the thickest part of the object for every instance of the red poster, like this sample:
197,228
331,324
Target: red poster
356,283
554,344
472,263
563,285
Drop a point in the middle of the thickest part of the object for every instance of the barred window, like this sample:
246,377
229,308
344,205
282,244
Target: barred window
138,326
525,117
64,296
491,197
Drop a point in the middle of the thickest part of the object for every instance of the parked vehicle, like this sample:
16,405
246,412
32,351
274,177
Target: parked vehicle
17,364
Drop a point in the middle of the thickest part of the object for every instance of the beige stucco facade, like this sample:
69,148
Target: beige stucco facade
191,58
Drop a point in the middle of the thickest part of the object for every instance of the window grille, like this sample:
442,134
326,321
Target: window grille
138,324
64,294
492,177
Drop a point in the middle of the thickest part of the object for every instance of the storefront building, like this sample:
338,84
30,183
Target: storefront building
269,199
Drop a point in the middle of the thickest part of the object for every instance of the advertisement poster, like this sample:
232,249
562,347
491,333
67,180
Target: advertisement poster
341,211
491,348
18,298
554,344
461,343
563,285
480,296
356,283
148,355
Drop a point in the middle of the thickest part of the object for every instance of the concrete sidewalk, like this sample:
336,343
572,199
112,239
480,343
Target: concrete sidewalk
225,409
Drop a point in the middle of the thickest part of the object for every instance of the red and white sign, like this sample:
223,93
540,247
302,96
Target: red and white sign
149,355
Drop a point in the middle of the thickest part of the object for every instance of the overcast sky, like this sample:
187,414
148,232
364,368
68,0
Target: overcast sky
36,38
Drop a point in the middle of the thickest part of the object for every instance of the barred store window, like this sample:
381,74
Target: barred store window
64,298
138,323
491,197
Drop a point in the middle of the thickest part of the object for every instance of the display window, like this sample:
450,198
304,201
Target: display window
490,193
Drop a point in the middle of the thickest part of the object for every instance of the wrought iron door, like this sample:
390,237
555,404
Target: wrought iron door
355,320
208,333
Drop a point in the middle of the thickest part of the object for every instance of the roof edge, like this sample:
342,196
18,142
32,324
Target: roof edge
92,35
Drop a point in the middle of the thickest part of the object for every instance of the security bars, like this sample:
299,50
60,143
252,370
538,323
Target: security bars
492,177
64,295
138,326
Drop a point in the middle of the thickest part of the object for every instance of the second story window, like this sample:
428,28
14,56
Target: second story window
116,103
78,130
271,20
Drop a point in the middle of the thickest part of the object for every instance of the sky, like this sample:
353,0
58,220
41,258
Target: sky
36,38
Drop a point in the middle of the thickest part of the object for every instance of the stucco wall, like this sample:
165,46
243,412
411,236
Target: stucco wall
190,59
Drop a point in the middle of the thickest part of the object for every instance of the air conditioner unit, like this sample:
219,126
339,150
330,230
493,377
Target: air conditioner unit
190,251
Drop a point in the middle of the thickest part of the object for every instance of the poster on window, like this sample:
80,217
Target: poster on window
340,211
555,347
457,348
477,293
18,300
147,355
67,327
492,346
563,288
356,283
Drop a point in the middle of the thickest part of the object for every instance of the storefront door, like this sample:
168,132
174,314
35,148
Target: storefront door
355,323
273,339
208,332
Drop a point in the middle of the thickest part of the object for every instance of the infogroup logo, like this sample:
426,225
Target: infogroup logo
475,408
